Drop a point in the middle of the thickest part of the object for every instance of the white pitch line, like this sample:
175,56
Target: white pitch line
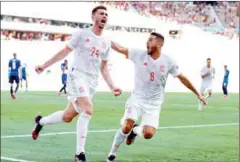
13,159
200,126
192,105
113,130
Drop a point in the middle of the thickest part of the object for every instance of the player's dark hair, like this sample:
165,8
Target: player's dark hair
158,35
98,8
208,58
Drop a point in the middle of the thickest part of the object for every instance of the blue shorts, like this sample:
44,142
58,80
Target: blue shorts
24,77
225,84
13,79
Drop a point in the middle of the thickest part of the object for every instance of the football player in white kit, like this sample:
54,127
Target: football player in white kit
91,52
151,71
207,75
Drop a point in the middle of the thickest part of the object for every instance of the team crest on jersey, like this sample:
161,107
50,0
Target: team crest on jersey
162,68
145,64
87,40
81,89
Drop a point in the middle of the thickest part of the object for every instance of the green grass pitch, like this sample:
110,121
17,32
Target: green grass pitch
182,144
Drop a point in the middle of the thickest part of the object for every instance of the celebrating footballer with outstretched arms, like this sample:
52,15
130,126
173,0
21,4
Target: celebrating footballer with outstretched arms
151,71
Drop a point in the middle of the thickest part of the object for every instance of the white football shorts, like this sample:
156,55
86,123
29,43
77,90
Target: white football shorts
147,110
205,86
80,84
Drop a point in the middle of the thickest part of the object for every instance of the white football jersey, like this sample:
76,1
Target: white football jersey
89,50
209,77
151,75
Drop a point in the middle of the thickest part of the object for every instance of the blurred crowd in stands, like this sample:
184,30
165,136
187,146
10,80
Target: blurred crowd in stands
31,36
228,13
185,12
43,21
218,17
202,14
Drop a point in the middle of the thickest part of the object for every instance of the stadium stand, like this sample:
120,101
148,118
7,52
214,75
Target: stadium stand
222,18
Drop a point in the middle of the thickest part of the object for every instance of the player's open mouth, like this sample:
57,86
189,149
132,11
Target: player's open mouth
103,21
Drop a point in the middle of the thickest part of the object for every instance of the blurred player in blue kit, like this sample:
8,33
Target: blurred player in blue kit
64,82
24,76
64,66
14,67
225,81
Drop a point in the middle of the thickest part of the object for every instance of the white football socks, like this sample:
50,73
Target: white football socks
82,129
207,98
54,118
118,139
138,130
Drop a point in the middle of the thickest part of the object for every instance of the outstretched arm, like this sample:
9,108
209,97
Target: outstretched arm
106,76
72,44
119,48
57,57
184,80
9,65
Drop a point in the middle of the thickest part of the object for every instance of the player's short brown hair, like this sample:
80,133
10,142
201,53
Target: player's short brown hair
158,35
97,8
208,58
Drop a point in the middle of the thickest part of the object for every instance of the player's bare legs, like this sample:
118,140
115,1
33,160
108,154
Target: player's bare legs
26,85
82,127
225,91
57,117
119,138
13,95
62,89
129,132
81,105
209,95
16,89
206,96
200,104
21,83
145,131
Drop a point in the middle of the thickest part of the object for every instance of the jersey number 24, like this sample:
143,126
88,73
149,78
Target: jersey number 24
95,52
